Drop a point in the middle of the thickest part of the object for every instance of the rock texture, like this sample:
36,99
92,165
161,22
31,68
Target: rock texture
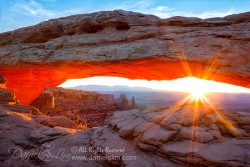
7,96
180,134
133,103
123,101
22,132
153,137
2,82
85,108
125,44
44,100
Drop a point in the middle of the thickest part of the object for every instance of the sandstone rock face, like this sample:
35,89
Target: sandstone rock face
85,108
123,101
133,103
7,96
22,133
108,98
44,100
23,109
125,44
9,100
2,82
45,134
179,135
59,121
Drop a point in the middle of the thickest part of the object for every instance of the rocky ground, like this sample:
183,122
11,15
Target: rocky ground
180,135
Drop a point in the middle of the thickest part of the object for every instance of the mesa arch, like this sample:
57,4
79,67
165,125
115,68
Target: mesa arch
125,44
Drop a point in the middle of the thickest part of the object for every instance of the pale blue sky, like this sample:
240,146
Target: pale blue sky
20,13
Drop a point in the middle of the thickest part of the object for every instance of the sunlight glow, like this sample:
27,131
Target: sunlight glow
198,94
196,104
193,85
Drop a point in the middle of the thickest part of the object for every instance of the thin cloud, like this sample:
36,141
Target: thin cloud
218,14
166,11
33,8
48,0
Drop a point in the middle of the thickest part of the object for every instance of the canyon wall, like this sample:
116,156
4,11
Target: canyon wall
87,107
125,44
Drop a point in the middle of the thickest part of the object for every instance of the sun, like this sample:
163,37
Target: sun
198,95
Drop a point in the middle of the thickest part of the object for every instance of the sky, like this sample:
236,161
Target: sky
188,84
21,13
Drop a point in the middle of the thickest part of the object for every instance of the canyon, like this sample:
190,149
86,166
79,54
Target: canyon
85,108
124,44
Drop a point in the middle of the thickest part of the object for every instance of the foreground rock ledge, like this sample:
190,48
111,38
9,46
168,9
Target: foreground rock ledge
125,44
173,134
145,136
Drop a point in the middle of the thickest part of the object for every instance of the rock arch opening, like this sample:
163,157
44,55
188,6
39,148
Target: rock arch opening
165,92
187,84
93,99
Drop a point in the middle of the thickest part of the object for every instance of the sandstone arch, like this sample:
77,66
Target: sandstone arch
125,44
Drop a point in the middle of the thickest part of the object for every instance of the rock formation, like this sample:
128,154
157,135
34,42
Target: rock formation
181,134
9,101
23,134
125,44
2,82
133,104
123,102
7,96
65,99
85,108
44,100
108,98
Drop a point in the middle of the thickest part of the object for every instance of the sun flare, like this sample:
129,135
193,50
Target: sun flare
198,94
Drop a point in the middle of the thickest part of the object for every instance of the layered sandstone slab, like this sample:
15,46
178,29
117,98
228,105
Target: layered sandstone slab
125,44
181,134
